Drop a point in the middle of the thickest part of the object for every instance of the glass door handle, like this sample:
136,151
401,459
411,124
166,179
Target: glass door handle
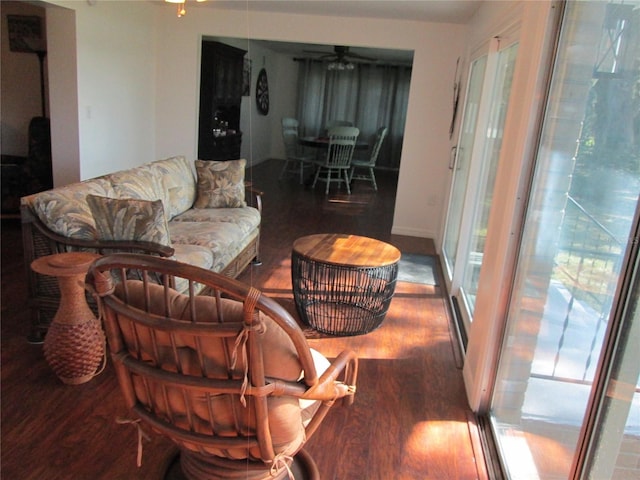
452,157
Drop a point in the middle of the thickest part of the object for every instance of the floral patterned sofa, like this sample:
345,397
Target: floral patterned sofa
206,216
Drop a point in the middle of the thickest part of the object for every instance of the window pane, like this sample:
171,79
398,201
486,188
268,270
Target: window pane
616,451
486,181
463,161
577,229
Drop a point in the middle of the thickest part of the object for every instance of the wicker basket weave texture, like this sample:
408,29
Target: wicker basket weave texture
75,352
75,343
339,299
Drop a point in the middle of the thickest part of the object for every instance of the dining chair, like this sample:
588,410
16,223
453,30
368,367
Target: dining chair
337,123
342,142
296,160
369,163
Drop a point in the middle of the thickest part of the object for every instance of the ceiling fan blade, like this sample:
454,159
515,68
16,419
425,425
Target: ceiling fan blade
318,52
344,51
360,57
340,53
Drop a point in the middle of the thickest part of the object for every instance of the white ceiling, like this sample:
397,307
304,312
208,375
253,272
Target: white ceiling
446,11
441,11
303,50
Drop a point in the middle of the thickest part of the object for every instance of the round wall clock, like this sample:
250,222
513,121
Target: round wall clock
262,92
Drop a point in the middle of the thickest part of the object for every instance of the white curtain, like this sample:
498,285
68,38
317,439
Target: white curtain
370,96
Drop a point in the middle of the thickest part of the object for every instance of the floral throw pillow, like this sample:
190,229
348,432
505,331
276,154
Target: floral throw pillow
129,219
220,184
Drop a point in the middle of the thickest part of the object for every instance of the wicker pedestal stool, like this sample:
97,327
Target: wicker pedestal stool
343,284
74,345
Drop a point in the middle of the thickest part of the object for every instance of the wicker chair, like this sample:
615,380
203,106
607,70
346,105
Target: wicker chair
227,376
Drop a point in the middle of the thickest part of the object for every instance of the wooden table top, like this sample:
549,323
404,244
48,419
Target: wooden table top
323,142
65,264
347,250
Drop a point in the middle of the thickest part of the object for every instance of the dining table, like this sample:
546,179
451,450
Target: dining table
323,142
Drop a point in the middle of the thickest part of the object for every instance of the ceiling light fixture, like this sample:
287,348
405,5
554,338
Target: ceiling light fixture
340,65
182,11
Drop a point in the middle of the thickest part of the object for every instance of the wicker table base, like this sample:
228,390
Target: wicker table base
74,345
343,284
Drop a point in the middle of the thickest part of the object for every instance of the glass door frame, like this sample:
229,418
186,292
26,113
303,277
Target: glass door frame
455,264
605,385
593,454
536,23
453,273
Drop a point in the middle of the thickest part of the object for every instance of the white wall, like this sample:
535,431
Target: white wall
423,172
283,101
283,95
114,100
258,140
138,83
116,93
63,95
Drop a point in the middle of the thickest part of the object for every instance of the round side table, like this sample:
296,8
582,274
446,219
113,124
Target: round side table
74,345
343,284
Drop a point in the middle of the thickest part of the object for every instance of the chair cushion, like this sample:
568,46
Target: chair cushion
220,184
285,417
129,219
310,407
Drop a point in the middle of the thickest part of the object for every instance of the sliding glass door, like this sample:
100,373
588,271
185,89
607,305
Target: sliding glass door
475,168
566,401
462,165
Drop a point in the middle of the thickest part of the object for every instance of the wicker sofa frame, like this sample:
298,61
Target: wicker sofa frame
38,241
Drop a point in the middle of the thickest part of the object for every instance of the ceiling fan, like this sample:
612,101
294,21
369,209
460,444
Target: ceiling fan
341,54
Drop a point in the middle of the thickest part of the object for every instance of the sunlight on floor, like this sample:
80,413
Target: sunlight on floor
408,335
431,439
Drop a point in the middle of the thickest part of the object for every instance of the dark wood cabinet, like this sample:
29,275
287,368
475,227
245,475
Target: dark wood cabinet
225,148
219,136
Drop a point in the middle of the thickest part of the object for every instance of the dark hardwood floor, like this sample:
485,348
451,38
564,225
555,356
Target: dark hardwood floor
410,419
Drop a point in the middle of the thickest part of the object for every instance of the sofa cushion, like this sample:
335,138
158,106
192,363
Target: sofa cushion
139,182
247,218
225,242
129,219
220,184
65,210
192,255
176,176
